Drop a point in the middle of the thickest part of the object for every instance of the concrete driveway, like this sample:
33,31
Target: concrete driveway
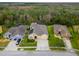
42,44
11,46
68,44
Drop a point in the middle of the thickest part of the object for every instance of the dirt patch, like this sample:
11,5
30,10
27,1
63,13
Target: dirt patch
3,43
3,40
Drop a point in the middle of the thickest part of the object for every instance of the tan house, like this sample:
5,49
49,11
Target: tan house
61,31
38,31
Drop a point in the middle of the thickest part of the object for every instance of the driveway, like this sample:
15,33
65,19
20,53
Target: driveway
42,44
68,44
11,46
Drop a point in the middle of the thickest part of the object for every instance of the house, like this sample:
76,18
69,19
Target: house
38,31
16,33
61,30
9,33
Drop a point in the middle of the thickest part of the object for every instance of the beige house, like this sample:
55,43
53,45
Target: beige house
38,31
61,31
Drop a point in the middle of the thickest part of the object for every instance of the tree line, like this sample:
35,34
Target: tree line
40,14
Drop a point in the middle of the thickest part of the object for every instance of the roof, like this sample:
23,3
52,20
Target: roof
63,29
17,30
21,29
38,29
12,30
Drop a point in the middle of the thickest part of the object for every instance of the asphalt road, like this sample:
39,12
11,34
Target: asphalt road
36,53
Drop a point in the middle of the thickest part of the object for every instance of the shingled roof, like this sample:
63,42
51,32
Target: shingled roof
63,29
12,30
17,30
38,29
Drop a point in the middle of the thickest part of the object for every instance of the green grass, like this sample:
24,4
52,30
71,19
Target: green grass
27,42
53,41
58,49
27,49
74,39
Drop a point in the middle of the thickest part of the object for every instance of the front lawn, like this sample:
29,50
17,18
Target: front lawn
27,49
58,49
27,42
53,41
3,43
75,38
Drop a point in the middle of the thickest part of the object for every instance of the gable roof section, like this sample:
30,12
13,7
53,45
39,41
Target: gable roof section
17,30
63,29
39,29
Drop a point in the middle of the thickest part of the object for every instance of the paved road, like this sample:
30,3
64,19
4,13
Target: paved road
11,46
42,44
36,53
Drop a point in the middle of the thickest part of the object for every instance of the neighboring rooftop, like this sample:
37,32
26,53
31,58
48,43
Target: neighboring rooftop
62,29
18,30
38,29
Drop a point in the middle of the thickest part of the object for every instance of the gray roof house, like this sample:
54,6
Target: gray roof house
61,30
10,32
16,33
37,30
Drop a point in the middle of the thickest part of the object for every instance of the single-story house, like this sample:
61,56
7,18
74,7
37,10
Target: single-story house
10,32
61,30
38,31
16,33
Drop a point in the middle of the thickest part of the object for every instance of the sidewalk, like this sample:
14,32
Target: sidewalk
68,44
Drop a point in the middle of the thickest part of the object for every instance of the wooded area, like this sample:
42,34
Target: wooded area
45,14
